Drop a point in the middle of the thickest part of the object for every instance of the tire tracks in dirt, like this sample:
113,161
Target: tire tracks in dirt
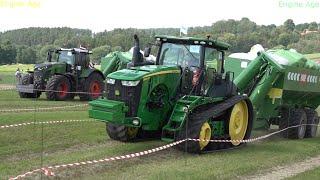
286,171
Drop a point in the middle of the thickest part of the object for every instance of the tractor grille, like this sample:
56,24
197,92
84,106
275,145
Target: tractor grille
38,75
129,95
38,80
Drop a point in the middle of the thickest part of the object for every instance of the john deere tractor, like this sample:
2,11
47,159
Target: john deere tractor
185,94
189,94
70,73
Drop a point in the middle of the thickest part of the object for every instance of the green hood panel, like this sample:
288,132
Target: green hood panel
48,64
137,73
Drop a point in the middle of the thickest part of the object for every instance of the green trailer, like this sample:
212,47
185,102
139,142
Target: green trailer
191,92
115,61
286,88
236,65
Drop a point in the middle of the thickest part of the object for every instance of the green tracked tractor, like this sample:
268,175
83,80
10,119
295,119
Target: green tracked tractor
189,93
70,73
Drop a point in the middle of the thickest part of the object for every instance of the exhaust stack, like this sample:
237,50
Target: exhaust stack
137,57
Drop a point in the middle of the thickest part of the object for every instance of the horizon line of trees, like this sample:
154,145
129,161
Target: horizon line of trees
30,45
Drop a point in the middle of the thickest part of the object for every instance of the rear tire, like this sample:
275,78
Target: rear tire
121,132
58,88
297,117
312,118
92,88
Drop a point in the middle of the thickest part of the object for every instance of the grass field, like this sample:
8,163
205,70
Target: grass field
14,67
7,72
7,78
31,147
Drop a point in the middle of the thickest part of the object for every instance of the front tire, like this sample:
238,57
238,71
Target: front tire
121,132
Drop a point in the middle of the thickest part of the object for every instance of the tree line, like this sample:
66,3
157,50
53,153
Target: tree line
30,45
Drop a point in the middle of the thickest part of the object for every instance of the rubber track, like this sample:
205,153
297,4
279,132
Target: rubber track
203,113
214,111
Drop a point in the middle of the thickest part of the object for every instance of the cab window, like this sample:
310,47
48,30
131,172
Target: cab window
180,54
211,58
67,57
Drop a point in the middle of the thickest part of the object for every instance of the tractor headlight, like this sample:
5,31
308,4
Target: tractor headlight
130,83
136,122
111,81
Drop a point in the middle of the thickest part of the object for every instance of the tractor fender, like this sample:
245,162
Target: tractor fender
71,78
87,72
66,75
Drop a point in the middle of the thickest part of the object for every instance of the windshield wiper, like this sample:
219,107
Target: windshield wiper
189,51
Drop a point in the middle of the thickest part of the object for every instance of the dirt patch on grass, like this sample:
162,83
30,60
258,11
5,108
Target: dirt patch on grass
7,86
282,172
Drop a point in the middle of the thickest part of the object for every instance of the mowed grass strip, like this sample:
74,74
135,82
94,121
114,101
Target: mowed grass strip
14,67
7,78
9,99
310,174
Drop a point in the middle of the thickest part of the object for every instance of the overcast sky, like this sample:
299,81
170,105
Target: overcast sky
100,15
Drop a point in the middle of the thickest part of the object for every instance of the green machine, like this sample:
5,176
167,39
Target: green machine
115,61
189,93
71,72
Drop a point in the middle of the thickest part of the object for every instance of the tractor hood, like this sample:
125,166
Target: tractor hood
140,72
46,65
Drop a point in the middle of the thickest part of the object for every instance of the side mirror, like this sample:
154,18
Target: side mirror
49,56
147,52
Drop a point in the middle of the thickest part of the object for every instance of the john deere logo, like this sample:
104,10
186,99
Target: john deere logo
117,92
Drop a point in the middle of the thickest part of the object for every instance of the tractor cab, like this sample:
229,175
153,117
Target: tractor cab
75,57
201,61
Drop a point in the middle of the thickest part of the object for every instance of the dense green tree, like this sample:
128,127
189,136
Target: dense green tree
288,38
289,25
42,56
99,52
7,53
302,27
26,55
313,26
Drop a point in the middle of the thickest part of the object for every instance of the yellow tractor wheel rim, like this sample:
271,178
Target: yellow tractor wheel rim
132,132
205,135
238,123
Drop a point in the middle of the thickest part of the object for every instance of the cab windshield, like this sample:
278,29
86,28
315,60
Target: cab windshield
188,55
180,55
66,56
